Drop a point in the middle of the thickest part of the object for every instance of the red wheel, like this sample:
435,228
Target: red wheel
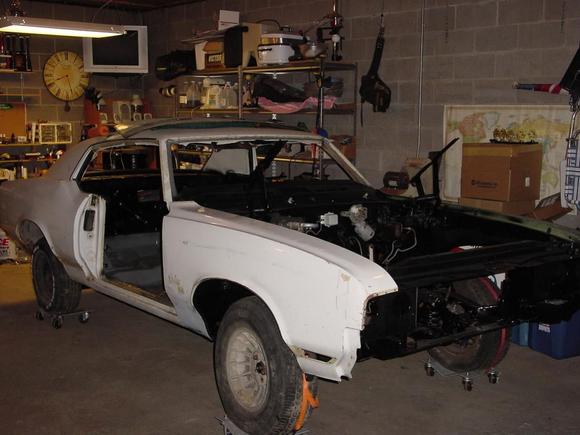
481,351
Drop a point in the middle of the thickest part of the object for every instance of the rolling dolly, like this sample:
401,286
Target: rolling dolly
432,367
57,319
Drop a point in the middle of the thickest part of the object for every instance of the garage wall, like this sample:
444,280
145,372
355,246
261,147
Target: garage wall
474,50
46,107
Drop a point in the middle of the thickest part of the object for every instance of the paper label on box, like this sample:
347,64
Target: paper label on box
482,184
7,249
543,327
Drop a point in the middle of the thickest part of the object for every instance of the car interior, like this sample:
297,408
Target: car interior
129,180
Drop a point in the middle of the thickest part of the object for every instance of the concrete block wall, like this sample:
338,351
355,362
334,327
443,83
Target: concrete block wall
474,50
45,106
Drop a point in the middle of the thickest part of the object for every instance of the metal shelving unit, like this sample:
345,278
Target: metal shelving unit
320,67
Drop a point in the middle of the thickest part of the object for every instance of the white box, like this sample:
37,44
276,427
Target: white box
228,19
200,55
7,248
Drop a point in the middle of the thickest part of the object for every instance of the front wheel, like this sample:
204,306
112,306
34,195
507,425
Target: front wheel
262,387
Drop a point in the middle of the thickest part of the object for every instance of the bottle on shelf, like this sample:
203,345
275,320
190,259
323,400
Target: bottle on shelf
228,97
18,57
196,94
5,58
183,94
213,98
27,54
189,93
136,106
6,55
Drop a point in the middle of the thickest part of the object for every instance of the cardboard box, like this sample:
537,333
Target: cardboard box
501,172
346,144
550,208
517,208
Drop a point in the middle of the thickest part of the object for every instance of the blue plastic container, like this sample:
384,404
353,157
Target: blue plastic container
560,340
521,334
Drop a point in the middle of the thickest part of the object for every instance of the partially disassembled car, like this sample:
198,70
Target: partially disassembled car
267,240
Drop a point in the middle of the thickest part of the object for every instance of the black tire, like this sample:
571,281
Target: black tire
481,351
278,404
55,291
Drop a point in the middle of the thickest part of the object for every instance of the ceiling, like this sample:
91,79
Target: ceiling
135,5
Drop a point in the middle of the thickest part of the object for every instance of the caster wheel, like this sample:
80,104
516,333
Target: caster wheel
84,317
38,315
57,322
493,377
467,385
429,370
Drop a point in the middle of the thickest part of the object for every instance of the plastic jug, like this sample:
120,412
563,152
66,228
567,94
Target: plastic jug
229,98
213,97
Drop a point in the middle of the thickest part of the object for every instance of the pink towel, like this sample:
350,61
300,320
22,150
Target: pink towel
293,107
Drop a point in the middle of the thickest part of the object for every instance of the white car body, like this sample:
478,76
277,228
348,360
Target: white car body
317,291
346,271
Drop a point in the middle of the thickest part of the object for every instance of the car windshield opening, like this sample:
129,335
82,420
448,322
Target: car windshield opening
243,175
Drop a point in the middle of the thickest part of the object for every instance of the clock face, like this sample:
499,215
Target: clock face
64,75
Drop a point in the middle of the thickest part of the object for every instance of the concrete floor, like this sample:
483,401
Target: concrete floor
127,372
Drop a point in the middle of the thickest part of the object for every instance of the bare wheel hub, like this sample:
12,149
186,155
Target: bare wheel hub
247,369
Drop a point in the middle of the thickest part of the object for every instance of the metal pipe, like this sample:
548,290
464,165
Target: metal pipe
420,95
572,138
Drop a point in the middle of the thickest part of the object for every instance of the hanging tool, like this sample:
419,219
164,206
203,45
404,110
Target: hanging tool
372,89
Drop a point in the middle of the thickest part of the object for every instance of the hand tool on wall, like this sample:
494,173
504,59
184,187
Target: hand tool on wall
372,89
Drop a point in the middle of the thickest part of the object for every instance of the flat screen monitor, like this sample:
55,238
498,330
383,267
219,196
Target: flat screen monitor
124,54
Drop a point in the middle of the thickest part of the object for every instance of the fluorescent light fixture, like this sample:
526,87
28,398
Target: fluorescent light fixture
43,26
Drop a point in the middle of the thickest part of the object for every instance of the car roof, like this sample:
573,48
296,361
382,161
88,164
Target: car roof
158,127
197,129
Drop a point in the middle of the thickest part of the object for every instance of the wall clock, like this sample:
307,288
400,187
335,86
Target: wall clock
64,76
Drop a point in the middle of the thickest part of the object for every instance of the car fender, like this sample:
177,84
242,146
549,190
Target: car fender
315,290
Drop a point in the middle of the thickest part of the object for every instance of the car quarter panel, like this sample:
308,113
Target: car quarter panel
314,289
51,204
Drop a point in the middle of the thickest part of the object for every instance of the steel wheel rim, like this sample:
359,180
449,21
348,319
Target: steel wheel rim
247,369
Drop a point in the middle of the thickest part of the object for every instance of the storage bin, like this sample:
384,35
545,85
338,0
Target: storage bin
521,334
560,340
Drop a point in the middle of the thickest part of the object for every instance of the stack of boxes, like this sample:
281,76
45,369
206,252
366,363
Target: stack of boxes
501,177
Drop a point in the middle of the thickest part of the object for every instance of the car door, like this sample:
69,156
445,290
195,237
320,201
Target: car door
91,214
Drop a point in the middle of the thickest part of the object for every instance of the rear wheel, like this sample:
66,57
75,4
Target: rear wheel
481,351
55,291
262,388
